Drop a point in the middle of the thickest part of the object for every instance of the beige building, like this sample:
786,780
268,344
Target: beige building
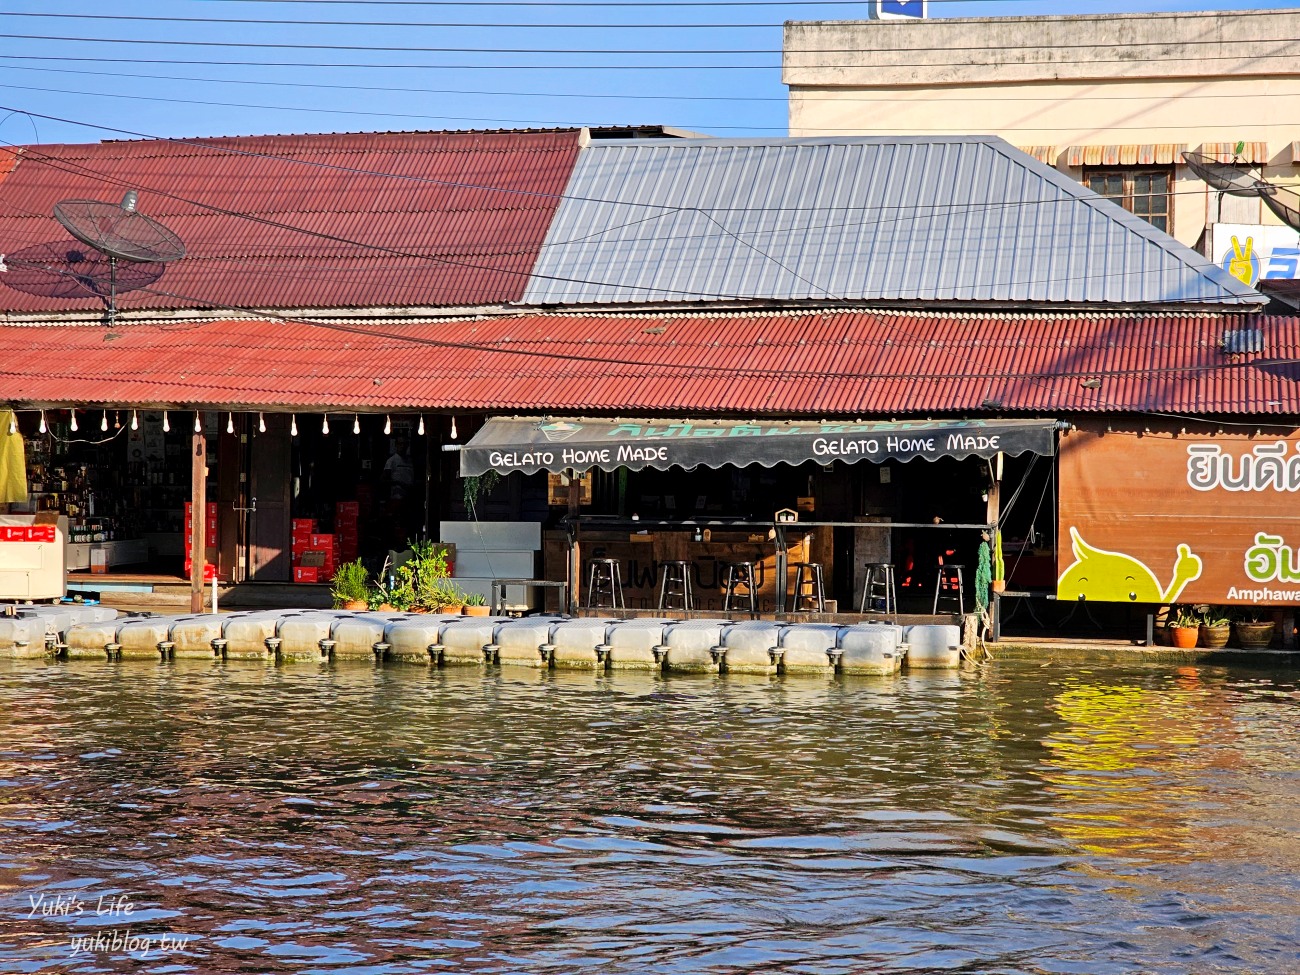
1111,100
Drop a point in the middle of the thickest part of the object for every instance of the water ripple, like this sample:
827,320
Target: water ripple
350,819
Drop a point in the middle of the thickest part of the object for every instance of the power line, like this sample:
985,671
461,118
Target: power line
947,98
814,130
1001,51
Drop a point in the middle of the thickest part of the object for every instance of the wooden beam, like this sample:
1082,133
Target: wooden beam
199,510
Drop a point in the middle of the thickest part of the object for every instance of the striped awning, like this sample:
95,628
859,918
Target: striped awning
1044,154
1158,154
1251,152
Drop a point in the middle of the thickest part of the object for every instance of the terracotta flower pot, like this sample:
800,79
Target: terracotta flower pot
1184,637
1214,637
475,610
355,605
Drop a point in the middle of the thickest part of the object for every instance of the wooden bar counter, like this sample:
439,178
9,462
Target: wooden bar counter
640,550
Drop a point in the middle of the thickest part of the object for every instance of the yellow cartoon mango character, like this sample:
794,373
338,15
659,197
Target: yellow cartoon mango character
1113,577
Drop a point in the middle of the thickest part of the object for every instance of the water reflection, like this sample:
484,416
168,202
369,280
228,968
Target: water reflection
401,820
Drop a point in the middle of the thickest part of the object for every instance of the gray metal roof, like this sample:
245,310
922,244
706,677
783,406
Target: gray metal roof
894,219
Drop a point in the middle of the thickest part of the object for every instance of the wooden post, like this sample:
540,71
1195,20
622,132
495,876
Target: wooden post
575,556
198,527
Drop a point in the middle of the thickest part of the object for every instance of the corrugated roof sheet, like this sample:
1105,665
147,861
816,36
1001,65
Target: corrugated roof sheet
857,218
814,363
353,220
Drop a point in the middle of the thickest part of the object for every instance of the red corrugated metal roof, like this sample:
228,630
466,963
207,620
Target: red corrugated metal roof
810,363
462,215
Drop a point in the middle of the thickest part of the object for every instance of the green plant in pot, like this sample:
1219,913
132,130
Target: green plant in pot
1184,627
1215,628
350,587
393,590
1253,630
475,604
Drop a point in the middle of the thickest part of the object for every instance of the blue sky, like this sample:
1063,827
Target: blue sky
241,67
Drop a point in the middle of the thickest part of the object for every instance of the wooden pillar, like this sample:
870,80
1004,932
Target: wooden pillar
199,509
575,555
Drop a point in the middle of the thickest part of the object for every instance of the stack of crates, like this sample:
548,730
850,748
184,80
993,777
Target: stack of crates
303,530
346,514
210,540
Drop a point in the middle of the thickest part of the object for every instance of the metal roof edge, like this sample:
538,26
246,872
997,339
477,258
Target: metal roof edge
1131,222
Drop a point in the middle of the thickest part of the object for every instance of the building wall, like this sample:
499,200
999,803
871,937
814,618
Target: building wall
1147,86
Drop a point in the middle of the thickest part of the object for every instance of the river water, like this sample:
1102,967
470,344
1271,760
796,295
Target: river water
347,819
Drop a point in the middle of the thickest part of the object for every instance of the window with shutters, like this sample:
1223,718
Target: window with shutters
1144,192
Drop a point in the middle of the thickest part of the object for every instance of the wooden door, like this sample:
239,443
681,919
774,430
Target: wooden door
269,527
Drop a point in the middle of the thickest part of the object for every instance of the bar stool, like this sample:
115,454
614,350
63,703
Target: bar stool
676,583
947,585
605,580
879,587
809,575
738,574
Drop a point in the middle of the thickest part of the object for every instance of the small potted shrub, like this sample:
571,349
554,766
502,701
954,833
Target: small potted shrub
1253,631
350,587
475,604
1184,627
1215,629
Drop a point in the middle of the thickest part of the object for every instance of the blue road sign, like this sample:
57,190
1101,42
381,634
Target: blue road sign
886,9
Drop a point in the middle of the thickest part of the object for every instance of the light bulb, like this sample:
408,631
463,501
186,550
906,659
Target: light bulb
261,423
103,423
230,423
198,422
135,421
453,428
42,421
325,425
420,431
167,424
74,420
293,424
356,424
388,425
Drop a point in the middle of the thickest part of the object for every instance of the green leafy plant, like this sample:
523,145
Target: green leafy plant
430,586
395,589
1214,616
1182,616
475,599
351,583
480,486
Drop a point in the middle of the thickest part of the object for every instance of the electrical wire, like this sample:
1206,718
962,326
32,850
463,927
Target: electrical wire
981,97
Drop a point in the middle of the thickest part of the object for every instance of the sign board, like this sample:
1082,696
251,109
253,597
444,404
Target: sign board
898,9
1180,518
532,444
1251,253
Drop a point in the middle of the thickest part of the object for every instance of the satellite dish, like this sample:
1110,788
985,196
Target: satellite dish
1285,203
119,230
71,269
121,233
1225,177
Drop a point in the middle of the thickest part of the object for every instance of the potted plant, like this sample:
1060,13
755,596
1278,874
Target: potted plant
1215,629
350,587
1253,631
394,592
1184,627
999,582
475,604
